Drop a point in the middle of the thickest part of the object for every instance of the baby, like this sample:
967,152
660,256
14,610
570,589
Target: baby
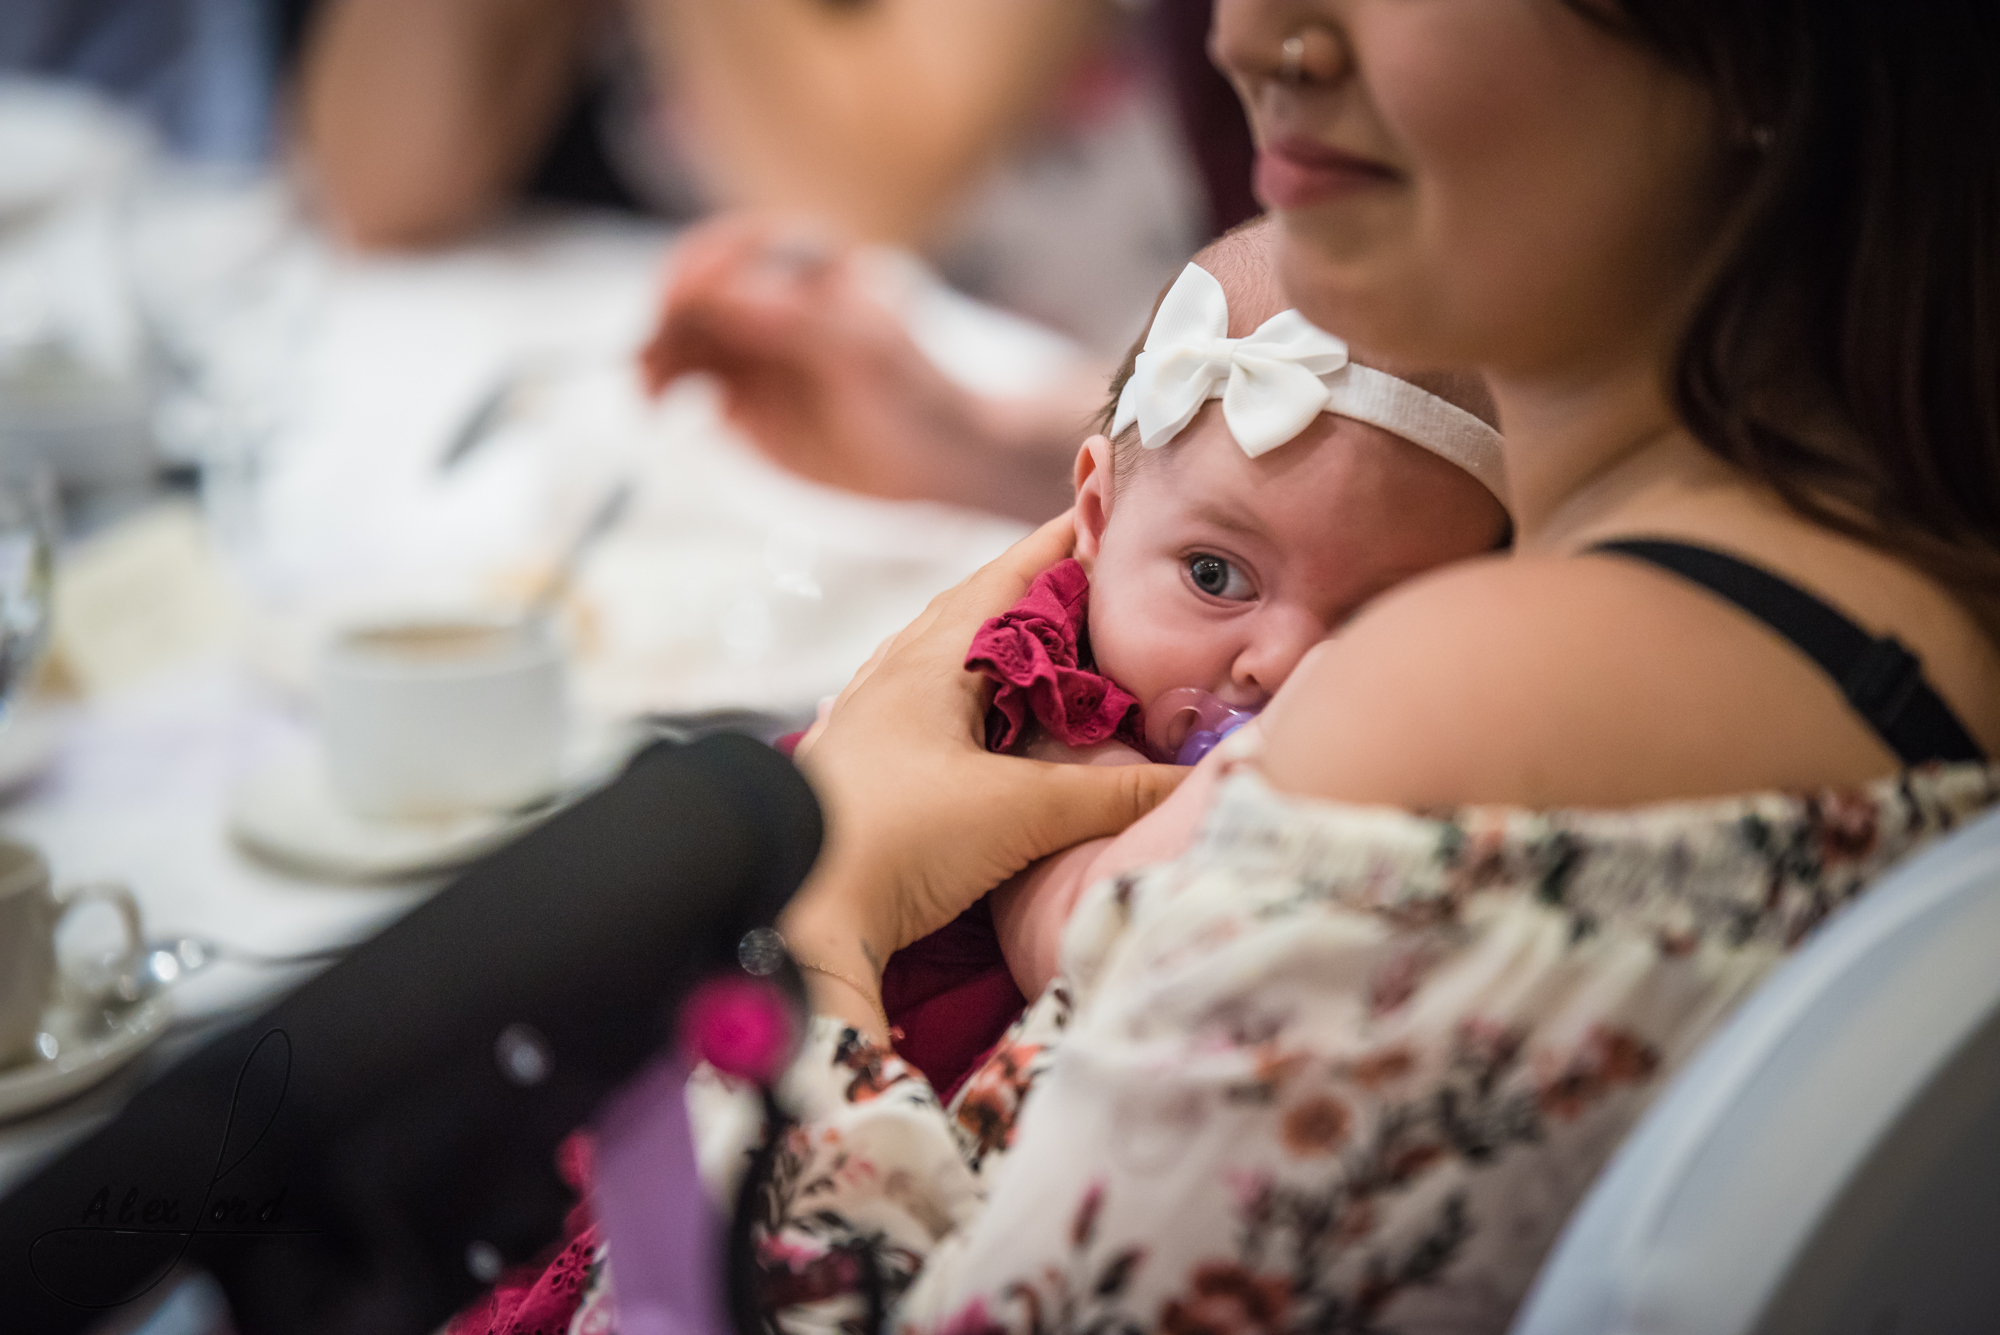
1216,543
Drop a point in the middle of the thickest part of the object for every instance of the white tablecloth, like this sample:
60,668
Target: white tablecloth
729,583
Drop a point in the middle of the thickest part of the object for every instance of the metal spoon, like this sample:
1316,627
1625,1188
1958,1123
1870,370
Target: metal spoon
602,520
164,963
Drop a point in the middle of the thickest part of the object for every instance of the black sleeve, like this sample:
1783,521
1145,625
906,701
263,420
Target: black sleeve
336,1160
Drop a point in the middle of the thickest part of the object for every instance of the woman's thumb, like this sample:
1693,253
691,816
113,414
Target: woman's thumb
1079,802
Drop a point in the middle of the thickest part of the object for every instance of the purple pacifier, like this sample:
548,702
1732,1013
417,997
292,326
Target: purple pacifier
1184,724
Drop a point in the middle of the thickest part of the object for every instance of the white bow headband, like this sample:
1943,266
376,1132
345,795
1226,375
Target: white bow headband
1276,380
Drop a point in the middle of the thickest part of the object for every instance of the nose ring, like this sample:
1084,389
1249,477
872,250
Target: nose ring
1292,55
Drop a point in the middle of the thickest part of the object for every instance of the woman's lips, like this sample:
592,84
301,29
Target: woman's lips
1296,173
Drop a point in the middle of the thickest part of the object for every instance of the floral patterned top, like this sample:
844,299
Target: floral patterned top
1337,1068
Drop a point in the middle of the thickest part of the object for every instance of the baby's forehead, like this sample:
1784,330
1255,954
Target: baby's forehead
1327,462
1204,461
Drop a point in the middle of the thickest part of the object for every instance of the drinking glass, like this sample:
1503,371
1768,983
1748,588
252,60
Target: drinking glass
27,543
228,274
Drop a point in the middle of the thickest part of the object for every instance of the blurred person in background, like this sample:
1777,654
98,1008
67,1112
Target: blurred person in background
1058,157
202,73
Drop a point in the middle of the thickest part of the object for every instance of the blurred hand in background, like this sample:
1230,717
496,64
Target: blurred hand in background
825,379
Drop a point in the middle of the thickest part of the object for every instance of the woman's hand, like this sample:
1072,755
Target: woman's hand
921,818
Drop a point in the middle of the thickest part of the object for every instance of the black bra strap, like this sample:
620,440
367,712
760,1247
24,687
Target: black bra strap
1882,680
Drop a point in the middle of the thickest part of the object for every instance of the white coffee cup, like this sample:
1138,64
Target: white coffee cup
426,717
30,911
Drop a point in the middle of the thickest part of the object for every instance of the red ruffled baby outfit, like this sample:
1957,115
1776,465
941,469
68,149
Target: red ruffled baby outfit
951,993
1037,654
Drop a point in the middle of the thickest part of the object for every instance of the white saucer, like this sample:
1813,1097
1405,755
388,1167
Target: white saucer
88,1045
287,813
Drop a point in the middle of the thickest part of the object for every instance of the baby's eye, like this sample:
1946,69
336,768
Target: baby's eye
1218,578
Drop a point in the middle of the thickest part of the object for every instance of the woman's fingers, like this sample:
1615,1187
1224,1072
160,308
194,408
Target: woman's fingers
934,646
828,707
1007,577
921,819
980,596
709,313
999,584
924,649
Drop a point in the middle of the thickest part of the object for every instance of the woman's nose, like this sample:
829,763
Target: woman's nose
1288,42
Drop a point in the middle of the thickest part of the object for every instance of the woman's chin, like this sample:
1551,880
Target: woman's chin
1330,289
1354,293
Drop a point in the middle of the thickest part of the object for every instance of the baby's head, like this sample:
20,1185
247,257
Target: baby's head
1215,569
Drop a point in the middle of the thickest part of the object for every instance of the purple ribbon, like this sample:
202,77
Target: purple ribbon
658,1221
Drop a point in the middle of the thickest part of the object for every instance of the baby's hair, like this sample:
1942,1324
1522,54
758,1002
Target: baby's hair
1240,259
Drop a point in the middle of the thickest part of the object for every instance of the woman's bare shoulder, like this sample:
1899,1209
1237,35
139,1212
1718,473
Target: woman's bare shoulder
1558,681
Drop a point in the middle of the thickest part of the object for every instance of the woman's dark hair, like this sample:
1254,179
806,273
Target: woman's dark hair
1845,346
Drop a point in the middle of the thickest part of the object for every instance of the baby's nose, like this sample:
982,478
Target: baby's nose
1274,649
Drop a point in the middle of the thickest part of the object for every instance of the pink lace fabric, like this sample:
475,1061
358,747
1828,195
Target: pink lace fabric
540,1297
1034,653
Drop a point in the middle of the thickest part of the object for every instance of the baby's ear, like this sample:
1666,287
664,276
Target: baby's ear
1093,496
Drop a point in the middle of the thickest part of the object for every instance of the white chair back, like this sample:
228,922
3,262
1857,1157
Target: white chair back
1830,1161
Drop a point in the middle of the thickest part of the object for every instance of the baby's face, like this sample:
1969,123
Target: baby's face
1211,569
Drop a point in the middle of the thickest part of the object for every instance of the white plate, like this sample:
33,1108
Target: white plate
89,1045
287,813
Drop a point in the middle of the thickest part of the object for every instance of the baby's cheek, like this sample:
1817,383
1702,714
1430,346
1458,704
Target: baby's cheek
1126,652
1111,650
1138,642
